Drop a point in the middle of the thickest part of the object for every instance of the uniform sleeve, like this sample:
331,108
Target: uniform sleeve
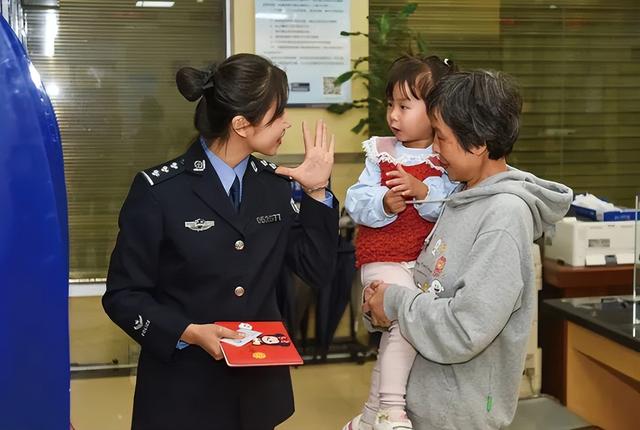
456,329
312,247
440,187
133,276
364,198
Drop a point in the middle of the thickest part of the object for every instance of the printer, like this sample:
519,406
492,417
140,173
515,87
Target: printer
592,243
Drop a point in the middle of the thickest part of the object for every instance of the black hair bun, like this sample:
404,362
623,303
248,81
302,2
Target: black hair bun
190,82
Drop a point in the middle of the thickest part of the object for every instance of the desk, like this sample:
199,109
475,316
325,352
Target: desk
569,281
602,360
562,281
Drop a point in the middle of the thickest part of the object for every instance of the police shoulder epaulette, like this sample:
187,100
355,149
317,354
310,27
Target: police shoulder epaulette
267,166
164,171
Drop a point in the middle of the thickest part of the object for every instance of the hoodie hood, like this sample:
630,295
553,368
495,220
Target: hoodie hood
548,201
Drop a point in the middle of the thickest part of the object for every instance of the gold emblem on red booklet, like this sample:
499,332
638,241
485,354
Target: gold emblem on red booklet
259,355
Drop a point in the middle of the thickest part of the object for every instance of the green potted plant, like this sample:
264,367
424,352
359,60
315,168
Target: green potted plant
389,37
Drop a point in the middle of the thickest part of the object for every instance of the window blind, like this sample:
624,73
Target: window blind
578,65
109,68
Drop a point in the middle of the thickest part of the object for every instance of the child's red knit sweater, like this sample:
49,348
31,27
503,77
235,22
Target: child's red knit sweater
401,240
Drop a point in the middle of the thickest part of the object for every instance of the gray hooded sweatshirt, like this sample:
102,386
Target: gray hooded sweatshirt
471,322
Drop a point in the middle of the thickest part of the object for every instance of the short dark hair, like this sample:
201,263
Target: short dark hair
243,84
420,74
481,107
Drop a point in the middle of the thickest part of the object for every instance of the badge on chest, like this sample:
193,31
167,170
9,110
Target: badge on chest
199,224
268,219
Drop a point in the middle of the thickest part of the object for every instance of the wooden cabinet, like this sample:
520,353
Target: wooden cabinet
603,379
562,281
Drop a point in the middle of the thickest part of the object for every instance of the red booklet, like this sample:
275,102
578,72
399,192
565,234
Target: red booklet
266,343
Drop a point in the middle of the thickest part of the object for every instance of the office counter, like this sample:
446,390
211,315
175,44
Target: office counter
602,356
563,281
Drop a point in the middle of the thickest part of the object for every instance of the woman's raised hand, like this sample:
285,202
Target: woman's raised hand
314,172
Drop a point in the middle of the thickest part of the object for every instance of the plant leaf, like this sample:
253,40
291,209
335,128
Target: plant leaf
422,44
384,26
359,61
344,77
376,101
408,9
340,108
357,33
360,125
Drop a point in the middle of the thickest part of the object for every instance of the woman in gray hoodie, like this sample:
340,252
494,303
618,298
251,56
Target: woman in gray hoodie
471,321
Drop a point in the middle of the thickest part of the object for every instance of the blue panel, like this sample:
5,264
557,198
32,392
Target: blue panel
34,261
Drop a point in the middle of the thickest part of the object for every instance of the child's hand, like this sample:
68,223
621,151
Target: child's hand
406,184
393,203
367,293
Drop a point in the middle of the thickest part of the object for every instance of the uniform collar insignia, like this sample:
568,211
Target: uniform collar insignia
199,165
295,206
195,159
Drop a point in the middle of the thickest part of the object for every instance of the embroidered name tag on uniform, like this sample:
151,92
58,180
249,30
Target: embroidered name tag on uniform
266,219
199,224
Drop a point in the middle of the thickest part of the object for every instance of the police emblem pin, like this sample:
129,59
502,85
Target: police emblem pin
199,224
198,165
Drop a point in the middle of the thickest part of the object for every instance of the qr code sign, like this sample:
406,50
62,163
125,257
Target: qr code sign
329,88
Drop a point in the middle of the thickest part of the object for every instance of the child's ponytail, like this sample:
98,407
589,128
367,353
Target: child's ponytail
417,74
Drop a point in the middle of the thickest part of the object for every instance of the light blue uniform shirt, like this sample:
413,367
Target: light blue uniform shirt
226,173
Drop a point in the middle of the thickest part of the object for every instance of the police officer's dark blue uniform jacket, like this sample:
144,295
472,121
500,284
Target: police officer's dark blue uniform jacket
183,255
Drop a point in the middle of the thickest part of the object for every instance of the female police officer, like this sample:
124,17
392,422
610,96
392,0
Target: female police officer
202,239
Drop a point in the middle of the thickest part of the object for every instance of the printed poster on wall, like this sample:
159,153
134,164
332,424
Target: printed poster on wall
303,38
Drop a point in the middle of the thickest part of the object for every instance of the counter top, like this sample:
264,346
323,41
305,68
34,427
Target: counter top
576,277
609,316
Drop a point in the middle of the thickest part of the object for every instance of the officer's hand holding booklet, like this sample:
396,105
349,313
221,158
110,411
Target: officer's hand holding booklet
266,343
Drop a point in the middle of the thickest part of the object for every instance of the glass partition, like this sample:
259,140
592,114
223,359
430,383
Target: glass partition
636,272
109,68
577,65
